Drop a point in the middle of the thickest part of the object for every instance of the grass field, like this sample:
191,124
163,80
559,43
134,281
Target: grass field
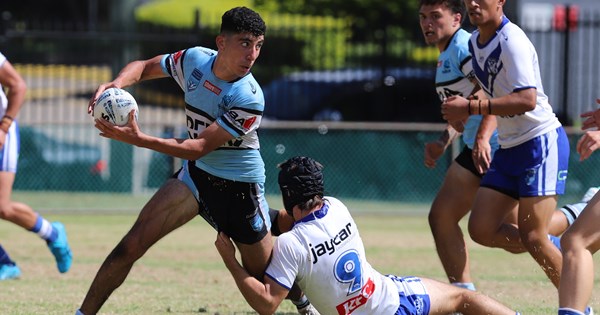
183,273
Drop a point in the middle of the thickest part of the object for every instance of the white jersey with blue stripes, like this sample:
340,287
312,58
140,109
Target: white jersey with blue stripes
453,77
325,255
3,100
236,106
508,63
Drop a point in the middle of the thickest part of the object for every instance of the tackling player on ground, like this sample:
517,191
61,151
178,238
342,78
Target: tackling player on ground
325,255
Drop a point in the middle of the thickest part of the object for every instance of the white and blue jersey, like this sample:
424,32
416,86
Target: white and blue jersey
534,150
3,100
236,106
9,152
324,254
453,77
508,63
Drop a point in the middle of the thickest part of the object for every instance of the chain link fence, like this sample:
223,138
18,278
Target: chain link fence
380,161
61,150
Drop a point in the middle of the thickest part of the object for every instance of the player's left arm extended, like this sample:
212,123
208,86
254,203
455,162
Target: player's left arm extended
263,297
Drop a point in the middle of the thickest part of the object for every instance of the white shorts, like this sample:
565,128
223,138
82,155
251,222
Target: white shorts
414,299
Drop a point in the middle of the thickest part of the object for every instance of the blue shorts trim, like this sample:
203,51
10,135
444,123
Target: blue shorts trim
414,299
538,167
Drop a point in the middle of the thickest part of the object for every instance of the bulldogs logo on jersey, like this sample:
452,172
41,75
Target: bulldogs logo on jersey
493,66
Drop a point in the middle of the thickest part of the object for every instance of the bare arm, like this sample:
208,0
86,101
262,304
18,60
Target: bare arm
263,297
188,149
10,78
587,144
592,118
482,151
590,141
519,102
435,149
132,73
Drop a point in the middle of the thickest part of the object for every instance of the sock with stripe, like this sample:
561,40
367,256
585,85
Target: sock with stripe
44,229
465,285
569,311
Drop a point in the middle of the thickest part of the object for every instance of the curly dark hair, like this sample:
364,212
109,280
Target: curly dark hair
242,20
456,6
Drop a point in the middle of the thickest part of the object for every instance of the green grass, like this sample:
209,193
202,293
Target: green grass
183,273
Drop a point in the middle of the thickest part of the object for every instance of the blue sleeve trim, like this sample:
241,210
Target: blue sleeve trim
524,88
281,284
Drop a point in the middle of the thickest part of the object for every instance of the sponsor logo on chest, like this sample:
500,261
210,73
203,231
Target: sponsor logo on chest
211,87
329,246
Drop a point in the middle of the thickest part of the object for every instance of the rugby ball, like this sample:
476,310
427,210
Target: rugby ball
114,105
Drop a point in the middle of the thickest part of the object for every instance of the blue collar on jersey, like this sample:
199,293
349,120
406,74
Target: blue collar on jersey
317,214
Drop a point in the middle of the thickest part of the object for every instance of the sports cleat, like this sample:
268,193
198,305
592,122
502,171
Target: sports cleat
589,311
60,248
308,310
9,272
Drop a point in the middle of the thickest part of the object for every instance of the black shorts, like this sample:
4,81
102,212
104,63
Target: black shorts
465,159
237,208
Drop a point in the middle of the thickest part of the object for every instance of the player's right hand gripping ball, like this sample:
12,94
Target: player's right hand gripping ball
114,105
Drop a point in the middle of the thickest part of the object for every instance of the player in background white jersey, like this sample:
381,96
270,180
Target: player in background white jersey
440,22
21,214
582,239
223,177
530,168
325,255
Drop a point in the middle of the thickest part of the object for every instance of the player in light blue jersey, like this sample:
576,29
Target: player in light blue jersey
441,25
530,168
223,177
440,22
